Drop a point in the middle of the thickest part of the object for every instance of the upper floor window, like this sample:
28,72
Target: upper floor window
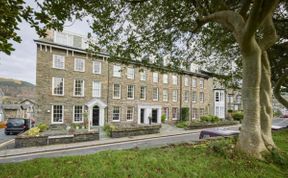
174,96
116,91
186,96
155,94
143,75
130,73
201,97
58,62
97,67
96,89
130,91
174,79
58,86
155,77
57,113
186,81
78,113
78,87
194,96
79,64
165,95
165,78
116,71
201,83
143,93
194,83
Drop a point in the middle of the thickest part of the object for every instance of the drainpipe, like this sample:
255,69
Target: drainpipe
108,91
180,113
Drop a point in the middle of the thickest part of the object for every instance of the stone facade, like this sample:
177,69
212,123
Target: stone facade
142,108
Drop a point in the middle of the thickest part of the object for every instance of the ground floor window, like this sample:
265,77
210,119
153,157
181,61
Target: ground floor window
194,113
78,113
175,113
166,112
129,113
57,113
201,112
116,113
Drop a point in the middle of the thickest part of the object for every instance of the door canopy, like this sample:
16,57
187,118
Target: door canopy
96,101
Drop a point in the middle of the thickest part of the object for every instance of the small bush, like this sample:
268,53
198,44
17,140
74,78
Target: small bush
33,131
42,127
230,110
238,116
184,114
182,124
163,118
209,118
108,128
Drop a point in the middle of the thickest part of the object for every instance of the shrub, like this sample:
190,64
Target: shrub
182,124
108,128
33,131
184,114
209,118
230,110
42,127
238,116
163,118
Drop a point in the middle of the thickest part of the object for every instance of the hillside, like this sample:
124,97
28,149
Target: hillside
17,88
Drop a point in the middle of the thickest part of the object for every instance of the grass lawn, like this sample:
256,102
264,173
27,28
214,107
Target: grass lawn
173,161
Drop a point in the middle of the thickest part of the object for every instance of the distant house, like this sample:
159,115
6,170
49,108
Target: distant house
23,109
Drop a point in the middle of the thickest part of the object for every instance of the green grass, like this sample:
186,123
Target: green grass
173,161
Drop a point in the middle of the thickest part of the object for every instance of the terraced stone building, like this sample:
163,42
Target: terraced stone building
70,82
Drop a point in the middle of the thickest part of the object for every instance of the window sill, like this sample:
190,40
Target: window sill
116,98
57,95
130,98
116,120
79,71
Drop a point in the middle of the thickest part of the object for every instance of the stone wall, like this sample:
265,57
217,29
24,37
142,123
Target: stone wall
134,131
25,141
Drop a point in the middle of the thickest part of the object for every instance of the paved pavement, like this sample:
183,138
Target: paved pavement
143,141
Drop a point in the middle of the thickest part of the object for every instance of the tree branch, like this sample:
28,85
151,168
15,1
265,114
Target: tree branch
269,33
244,9
277,92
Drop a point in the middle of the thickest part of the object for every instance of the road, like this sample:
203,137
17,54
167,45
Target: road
4,138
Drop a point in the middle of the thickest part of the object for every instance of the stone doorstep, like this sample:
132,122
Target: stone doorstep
30,150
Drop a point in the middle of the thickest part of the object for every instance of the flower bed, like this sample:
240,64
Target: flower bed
201,125
127,131
28,141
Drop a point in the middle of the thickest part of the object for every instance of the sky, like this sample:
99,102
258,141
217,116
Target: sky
21,64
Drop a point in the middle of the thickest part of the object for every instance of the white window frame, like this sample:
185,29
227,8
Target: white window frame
155,77
194,96
145,90
174,79
186,81
165,78
177,113
201,84
130,73
143,76
99,66
82,89
194,82
94,89
52,114
82,118
53,86
62,61
132,114
119,114
116,97
201,97
76,60
133,92
186,96
157,94
165,95
174,95
117,71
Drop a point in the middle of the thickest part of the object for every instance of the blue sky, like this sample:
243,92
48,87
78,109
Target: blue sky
21,64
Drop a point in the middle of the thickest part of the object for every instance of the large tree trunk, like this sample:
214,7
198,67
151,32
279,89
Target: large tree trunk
266,112
250,139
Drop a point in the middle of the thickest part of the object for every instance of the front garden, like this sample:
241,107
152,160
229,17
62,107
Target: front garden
210,159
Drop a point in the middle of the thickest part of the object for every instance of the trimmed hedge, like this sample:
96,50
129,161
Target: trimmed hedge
238,116
202,125
209,118
184,114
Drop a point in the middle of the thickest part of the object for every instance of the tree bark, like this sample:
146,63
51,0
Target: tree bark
250,139
266,112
